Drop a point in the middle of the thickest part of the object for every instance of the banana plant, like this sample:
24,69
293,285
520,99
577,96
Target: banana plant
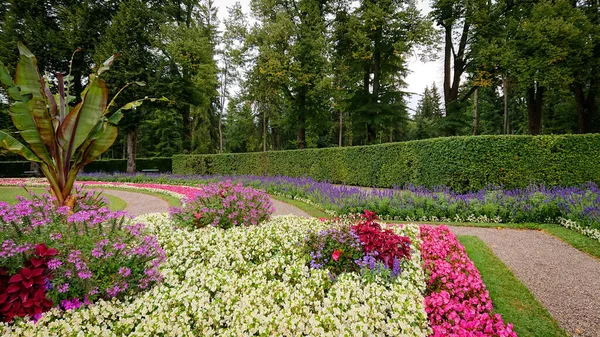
60,138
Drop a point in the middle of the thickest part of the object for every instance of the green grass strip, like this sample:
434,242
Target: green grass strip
510,297
171,200
8,194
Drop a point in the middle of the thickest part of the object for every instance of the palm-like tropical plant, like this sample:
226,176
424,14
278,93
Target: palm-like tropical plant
60,138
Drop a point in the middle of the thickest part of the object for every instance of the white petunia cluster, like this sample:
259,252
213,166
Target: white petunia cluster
573,225
249,281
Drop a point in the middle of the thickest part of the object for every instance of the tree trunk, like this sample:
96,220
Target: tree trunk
301,135
265,130
447,65
131,148
223,93
505,92
586,106
341,129
476,112
535,96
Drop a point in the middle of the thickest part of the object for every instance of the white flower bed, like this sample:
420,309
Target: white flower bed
249,281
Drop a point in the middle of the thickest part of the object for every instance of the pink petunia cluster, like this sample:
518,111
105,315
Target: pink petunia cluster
456,301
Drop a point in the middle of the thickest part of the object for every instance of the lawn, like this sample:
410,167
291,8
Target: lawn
8,194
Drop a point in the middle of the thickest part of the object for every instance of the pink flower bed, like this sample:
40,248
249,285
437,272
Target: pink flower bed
187,191
456,300
184,191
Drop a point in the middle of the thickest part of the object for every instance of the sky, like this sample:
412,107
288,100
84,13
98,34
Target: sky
421,74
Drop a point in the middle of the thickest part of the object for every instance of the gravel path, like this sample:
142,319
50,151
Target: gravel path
565,280
139,203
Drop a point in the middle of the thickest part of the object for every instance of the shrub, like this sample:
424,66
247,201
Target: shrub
54,256
223,205
460,163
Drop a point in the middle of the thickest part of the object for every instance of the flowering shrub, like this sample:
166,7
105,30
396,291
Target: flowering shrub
223,205
364,246
55,257
336,249
249,281
456,301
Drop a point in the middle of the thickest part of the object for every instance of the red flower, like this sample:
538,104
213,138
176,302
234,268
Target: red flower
198,215
336,255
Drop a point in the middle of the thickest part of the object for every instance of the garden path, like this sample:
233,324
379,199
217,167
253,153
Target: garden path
565,280
140,203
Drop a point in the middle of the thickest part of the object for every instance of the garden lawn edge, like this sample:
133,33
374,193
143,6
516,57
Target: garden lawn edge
510,297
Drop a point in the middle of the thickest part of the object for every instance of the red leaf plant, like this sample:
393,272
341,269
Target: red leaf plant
384,244
24,293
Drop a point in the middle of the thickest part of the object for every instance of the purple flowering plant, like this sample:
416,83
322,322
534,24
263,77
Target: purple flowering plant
336,249
101,255
223,205
347,247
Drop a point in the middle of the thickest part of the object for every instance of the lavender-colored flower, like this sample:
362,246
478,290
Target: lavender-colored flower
124,271
63,288
54,264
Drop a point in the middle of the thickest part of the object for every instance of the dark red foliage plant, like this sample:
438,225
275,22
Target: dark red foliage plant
386,243
24,293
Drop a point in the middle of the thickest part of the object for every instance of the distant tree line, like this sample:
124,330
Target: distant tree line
318,73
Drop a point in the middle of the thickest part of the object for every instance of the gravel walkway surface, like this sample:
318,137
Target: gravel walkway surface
139,203
565,280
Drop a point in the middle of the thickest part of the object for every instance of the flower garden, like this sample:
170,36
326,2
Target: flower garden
220,265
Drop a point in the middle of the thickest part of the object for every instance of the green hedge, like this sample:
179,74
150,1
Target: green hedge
17,168
461,163
163,164
14,169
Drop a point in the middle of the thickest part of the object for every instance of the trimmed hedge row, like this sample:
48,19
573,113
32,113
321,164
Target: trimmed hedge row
460,163
13,169
163,164
17,168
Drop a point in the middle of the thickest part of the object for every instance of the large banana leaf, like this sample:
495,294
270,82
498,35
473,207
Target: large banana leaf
30,84
24,122
27,76
11,144
78,124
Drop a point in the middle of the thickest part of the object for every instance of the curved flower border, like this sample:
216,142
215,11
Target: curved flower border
456,300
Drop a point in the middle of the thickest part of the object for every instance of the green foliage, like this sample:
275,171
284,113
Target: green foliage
461,163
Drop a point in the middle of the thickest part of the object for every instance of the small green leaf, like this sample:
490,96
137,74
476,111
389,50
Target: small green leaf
106,65
5,76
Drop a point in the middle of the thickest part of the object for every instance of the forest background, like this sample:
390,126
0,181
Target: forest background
294,74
